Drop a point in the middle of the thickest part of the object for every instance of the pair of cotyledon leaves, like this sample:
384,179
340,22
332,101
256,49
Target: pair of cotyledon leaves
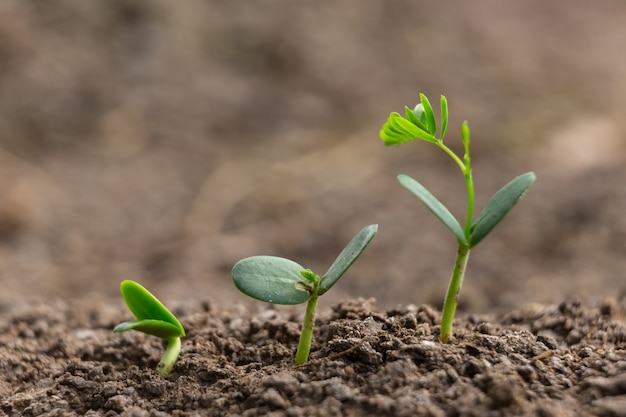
420,124
495,210
152,316
281,281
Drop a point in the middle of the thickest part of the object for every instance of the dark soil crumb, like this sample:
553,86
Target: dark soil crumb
544,361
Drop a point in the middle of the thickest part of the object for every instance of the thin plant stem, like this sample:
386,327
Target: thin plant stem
469,182
466,170
452,155
450,303
169,357
456,281
306,335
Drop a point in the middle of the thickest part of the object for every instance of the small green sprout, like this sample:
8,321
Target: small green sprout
420,123
152,318
282,281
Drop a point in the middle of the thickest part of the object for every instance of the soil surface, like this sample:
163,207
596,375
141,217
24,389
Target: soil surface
561,360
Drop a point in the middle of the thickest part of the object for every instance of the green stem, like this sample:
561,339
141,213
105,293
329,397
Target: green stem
449,305
452,155
306,336
169,357
465,166
469,182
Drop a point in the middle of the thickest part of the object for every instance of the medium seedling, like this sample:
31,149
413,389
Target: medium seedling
152,318
420,123
282,281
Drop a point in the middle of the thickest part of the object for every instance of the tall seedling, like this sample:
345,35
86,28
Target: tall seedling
420,123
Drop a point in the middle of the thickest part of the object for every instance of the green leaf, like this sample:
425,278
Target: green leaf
158,328
499,205
434,205
444,117
413,118
348,255
429,115
309,276
420,114
465,135
398,130
271,279
146,306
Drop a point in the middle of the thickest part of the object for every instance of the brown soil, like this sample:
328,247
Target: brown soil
565,360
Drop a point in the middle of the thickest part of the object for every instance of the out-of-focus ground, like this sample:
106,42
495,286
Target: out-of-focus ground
163,141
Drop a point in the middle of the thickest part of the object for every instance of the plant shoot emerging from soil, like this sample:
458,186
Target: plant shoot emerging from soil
420,123
152,318
282,281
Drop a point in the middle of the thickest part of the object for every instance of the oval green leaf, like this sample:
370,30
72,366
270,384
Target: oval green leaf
146,306
434,205
158,328
465,135
499,205
444,117
429,115
420,114
271,279
348,255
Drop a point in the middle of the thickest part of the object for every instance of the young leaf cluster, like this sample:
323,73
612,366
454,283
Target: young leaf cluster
420,124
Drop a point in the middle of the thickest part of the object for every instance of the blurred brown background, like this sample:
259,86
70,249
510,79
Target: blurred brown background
162,141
